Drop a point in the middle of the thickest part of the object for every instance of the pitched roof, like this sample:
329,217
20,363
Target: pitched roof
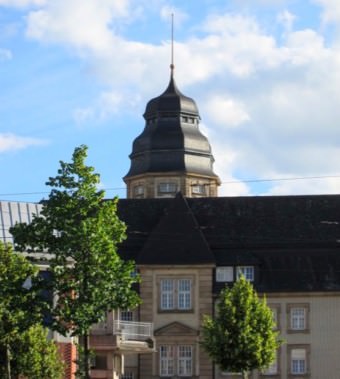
292,241
177,239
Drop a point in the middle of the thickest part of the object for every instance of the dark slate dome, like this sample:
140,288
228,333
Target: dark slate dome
171,100
171,140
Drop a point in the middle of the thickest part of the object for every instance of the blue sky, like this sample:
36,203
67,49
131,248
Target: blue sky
265,75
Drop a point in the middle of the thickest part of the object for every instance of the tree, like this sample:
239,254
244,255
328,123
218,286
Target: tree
20,308
80,230
242,336
36,356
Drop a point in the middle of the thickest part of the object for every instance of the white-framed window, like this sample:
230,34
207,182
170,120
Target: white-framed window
126,315
167,187
198,189
127,375
166,364
225,274
298,362
298,318
167,294
185,360
273,369
184,294
175,360
176,293
246,271
138,190
276,312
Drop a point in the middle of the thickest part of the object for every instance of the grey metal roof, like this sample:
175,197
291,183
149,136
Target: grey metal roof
12,212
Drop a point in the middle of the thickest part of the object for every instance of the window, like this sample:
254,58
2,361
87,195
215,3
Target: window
176,360
126,315
273,369
184,360
167,294
298,361
138,191
176,294
225,274
198,189
276,310
167,188
184,294
166,354
246,271
127,375
298,317
99,362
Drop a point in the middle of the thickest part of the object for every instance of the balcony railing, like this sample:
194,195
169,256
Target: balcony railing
131,330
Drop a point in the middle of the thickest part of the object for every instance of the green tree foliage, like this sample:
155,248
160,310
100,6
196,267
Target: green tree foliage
20,307
37,357
242,336
80,230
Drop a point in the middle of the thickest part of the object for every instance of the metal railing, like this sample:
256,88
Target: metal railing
132,330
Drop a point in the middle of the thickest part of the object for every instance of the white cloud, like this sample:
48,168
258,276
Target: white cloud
284,93
105,106
11,142
287,19
226,111
22,3
5,55
78,23
179,16
331,10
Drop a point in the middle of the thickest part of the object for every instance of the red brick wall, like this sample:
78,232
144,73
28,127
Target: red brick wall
68,353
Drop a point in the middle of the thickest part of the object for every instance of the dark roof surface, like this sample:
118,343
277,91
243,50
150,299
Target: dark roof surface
293,241
175,238
171,140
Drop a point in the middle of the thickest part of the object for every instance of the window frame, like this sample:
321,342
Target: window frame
306,360
240,271
222,272
174,299
174,362
292,320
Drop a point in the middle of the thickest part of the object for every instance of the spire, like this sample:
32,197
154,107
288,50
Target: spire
172,66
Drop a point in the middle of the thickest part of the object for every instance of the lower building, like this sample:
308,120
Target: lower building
188,249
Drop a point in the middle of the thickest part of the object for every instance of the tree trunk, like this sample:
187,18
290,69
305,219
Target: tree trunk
245,374
86,357
8,361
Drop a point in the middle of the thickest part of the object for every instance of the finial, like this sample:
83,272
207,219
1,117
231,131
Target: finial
172,66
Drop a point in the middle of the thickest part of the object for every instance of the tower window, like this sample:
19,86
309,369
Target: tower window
167,188
198,189
138,191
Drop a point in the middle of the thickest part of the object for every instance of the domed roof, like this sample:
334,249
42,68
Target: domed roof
171,140
171,100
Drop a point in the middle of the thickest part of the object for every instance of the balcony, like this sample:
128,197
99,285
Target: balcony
124,336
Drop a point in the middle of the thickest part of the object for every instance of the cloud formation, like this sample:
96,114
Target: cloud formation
268,96
11,142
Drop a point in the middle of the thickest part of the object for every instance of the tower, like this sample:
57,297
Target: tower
171,154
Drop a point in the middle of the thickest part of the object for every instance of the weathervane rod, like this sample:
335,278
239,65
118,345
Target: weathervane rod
172,66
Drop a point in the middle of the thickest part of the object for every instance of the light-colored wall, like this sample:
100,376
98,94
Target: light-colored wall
322,339
202,300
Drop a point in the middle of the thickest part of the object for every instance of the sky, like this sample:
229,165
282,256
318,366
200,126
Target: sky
265,75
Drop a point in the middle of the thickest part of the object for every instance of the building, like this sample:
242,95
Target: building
188,243
112,340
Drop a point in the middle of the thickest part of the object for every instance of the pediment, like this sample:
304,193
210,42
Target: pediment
176,329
